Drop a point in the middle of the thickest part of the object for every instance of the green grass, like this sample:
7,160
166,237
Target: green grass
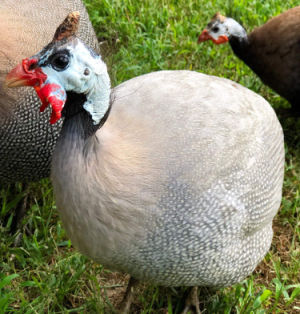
45,274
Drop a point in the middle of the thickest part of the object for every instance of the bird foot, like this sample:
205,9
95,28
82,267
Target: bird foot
192,302
124,306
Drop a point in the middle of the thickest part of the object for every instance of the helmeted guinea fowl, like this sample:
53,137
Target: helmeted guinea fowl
173,177
271,50
27,139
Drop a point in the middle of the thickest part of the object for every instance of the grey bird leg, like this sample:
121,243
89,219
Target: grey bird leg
192,301
20,210
128,297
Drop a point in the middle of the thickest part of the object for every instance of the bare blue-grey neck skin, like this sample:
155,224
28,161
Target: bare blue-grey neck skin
83,76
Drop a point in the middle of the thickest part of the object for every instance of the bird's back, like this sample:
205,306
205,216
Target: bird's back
274,53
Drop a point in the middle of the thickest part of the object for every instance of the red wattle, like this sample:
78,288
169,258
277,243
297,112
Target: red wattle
30,74
53,94
221,40
57,106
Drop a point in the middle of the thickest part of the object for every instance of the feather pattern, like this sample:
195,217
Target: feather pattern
172,191
26,138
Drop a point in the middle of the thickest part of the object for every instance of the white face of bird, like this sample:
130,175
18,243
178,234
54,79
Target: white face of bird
220,29
62,66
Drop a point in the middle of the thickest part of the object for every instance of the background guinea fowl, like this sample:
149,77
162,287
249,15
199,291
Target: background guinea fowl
26,138
178,186
271,50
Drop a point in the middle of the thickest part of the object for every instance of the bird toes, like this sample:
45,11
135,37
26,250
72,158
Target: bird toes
192,302
124,307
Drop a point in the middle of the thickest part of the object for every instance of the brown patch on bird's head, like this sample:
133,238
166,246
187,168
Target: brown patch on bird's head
218,17
68,27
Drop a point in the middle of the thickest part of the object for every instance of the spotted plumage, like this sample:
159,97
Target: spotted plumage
26,138
177,184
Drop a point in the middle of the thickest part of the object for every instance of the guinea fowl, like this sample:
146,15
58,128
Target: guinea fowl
271,50
173,177
26,138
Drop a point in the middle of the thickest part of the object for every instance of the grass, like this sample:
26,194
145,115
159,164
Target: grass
43,273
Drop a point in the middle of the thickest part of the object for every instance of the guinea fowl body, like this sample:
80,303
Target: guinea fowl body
180,184
174,177
271,51
27,139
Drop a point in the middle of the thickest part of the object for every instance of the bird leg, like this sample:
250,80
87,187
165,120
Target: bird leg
20,210
128,297
192,301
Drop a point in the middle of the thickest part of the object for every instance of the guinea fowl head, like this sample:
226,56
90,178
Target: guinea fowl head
221,29
65,65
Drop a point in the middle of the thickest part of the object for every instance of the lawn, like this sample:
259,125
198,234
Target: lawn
40,270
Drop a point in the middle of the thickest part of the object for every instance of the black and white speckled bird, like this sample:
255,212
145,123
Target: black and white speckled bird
173,177
27,139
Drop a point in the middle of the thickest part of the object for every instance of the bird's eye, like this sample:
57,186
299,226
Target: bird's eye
215,29
60,61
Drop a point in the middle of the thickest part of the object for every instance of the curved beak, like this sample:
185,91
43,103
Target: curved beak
17,77
204,36
25,74
48,90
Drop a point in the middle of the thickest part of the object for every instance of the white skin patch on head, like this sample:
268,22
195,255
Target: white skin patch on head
228,28
85,74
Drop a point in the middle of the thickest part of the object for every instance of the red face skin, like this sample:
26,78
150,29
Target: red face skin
25,74
205,36
29,74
